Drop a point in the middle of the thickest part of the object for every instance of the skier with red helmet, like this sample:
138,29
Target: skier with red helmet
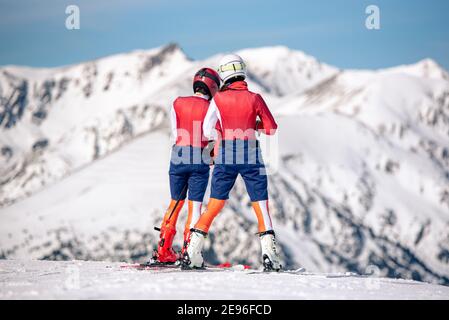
189,164
233,118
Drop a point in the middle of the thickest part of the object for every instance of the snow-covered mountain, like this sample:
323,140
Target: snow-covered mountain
362,181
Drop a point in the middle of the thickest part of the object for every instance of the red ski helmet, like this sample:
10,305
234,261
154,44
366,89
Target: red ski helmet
208,79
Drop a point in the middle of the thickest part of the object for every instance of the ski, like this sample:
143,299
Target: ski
303,272
177,266
289,271
151,265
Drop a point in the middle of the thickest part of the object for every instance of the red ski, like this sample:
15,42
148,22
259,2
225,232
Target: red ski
159,265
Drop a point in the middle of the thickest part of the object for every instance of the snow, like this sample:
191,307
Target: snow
282,71
361,177
27,279
114,192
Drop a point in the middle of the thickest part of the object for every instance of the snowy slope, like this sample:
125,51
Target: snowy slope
110,206
99,280
361,178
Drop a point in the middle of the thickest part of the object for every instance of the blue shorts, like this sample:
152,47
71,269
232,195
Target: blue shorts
191,177
250,167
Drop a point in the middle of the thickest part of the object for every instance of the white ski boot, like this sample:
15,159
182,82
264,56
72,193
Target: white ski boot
193,257
270,256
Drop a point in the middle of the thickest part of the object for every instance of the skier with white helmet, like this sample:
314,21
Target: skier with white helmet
234,116
189,164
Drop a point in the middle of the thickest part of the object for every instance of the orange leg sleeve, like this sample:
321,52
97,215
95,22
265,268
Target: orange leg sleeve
263,215
189,220
169,218
194,214
213,209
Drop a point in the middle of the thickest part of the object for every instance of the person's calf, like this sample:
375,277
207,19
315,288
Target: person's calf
214,207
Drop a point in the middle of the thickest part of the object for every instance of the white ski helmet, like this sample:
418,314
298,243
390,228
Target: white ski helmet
231,65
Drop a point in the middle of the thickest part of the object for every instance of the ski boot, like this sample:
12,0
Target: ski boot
193,257
185,243
270,257
165,253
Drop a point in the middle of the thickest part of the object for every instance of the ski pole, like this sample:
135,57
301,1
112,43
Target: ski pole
184,189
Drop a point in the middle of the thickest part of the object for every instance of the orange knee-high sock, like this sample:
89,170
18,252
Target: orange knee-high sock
213,209
194,213
263,215
170,218
165,252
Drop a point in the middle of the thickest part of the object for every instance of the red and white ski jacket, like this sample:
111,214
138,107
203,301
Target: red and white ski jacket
187,117
234,111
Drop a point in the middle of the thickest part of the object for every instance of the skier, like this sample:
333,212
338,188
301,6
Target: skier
189,169
234,112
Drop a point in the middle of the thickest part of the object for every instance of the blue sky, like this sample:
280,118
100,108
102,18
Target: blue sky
33,32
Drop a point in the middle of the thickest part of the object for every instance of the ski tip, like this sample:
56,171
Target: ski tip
224,265
228,265
128,266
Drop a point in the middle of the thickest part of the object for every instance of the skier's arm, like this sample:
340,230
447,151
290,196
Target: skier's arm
173,123
210,120
267,124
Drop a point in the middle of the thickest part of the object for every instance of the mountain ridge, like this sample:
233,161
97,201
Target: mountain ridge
362,175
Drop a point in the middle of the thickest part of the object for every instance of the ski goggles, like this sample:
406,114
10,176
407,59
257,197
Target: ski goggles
232,67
